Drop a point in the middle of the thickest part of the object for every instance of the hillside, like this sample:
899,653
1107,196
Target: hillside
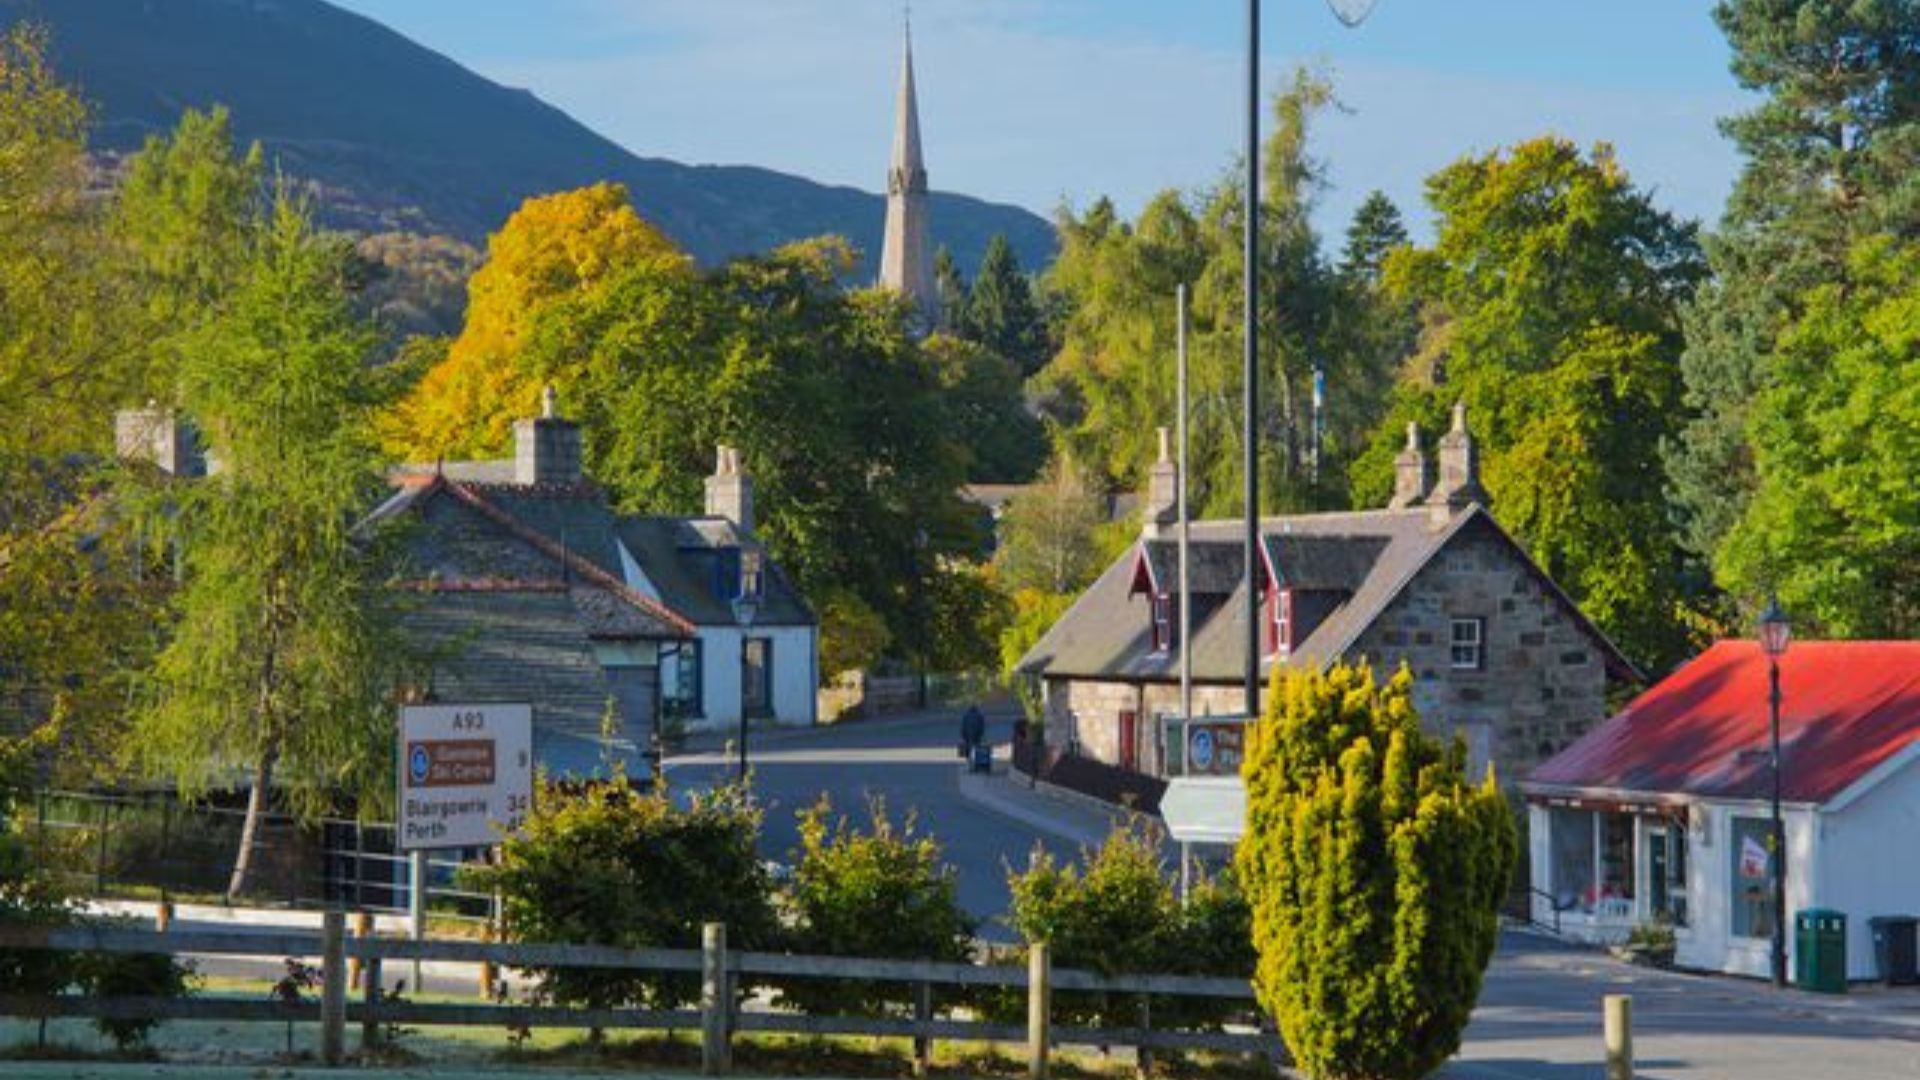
399,137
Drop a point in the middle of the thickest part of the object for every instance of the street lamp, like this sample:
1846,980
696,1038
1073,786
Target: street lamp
746,605
1775,633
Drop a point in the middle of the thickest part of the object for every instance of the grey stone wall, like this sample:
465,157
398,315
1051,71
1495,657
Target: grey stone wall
1543,683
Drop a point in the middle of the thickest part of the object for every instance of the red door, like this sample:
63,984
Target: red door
1130,741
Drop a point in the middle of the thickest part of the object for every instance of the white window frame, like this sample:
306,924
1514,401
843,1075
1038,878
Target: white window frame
1477,660
1162,622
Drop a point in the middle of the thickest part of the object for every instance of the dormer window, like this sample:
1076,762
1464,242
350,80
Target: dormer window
752,573
1162,622
1280,622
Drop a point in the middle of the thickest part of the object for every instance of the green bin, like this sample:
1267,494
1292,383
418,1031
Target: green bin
1820,950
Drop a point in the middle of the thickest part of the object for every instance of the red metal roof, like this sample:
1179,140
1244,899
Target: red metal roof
1846,707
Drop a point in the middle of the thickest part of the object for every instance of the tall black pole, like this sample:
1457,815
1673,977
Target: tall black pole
1250,276
1779,861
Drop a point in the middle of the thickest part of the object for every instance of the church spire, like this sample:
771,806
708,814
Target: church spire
906,255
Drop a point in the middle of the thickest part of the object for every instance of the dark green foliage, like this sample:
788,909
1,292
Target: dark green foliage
1377,228
951,287
154,975
1000,312
607,864
1832,158
883,891
1003,442
1374,870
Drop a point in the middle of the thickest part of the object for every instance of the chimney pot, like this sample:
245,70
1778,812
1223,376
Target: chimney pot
1459,483
1409,472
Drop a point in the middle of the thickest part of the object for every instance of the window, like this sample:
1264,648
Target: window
1162,622
1752,855
752,578
1571,836
680,680
1283,623
1469,644
1616,857
1667,871
756,676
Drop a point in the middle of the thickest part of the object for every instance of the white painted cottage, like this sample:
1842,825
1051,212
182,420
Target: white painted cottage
1663,810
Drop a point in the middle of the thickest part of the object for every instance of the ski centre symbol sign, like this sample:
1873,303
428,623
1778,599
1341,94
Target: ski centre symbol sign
466,774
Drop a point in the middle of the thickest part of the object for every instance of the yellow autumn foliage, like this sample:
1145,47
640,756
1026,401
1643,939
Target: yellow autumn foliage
553,247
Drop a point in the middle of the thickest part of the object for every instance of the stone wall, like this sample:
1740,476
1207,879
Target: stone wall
1543,683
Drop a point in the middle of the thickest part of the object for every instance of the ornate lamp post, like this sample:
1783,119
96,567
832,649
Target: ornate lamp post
1775,633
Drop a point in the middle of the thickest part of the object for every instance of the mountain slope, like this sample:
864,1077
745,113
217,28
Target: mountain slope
399,136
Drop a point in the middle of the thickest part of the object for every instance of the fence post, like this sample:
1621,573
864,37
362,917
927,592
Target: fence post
1039,1009
100,859
1142,1053
716,1053
333,987
922,1042
417,906
1618,1032
369,1026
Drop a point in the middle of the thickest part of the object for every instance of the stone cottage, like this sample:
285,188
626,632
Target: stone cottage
1499,654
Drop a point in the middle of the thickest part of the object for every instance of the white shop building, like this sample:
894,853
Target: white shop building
1663,812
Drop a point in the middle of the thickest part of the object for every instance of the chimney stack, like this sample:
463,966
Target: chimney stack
1459,485
729,491
1163,491
546,449
1409,472
158,437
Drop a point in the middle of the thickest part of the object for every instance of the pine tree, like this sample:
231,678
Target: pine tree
1377,228
1000,312
951,286
1832,156
1374,869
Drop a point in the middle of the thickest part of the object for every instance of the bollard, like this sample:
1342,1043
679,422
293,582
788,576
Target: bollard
163,916
922,1042
1039,1009
716,1054
333,987
1618,1026
1143,1054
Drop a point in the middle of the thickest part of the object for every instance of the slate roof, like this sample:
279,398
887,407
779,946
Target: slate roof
1847,709
523,642
1368,555
679,557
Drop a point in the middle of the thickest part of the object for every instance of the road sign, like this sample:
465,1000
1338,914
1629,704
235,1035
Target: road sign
1214,747
1205,809
466,774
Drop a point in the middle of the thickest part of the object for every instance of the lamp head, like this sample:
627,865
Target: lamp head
1775,629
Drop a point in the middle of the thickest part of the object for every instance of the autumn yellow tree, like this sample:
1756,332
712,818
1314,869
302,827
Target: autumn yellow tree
553,248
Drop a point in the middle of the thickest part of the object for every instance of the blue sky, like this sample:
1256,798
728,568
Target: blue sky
1040,102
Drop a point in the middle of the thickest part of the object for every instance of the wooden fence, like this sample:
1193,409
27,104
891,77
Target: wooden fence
722,971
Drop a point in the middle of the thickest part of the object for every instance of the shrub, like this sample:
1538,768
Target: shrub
604,863
883,892
1374,871
152,975
1119,914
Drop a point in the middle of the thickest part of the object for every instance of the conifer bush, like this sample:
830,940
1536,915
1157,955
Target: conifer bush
1374,869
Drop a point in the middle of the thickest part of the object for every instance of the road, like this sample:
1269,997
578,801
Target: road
913,765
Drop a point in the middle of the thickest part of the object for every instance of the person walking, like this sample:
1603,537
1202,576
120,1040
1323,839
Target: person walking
973,730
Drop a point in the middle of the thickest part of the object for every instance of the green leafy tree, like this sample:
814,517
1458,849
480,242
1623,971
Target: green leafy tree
183,216
1550,305
883,891
1004,443
1374,869
607,864
1834,521
1000,312
1832,154
1111,382
852,635
280,661
1046,533
1034,613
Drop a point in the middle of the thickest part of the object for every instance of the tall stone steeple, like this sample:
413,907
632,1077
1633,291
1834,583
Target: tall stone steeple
906,255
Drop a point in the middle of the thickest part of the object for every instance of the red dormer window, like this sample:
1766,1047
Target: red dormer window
1279,621
1162,622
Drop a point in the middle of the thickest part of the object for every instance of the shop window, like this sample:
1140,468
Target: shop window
1616,858
1752,855
1571,833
